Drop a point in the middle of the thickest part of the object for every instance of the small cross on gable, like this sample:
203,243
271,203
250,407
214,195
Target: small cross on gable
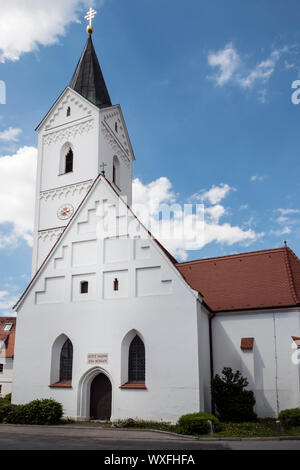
102,166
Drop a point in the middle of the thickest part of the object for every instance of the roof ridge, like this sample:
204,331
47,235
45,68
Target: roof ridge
290,273
236,255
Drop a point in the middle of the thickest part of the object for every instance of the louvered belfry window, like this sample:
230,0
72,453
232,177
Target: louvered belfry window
66,362
136,363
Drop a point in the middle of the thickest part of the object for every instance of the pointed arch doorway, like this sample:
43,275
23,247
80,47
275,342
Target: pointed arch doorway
100,398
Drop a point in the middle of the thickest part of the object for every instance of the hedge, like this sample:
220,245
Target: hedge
196,423
40,412
290,418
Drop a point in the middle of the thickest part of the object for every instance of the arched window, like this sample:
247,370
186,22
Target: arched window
66,158
69,161
66,362
136,361
68,111
116,171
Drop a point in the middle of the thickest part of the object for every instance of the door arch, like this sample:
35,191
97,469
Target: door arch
100,398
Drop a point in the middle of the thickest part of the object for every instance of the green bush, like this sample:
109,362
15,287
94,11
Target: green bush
233,403
5,409
40,412
7,397
290,418
196,423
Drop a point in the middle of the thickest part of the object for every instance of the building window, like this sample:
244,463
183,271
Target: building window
116,127
84,287
116,284
116,171
68,111
1,368
8,327
66,362
114,174
136,362
69,162
0,390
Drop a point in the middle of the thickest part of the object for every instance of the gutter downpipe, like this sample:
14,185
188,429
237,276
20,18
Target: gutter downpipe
211,317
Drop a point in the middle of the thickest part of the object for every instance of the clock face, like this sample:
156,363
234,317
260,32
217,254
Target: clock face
65,212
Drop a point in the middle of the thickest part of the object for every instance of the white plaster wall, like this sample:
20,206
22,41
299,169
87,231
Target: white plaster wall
6,377
92,143
272,375
168,323
114,143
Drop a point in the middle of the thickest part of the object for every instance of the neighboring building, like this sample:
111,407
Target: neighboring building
111,325
254,299
7,346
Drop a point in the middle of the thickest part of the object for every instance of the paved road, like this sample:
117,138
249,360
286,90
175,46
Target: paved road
72,437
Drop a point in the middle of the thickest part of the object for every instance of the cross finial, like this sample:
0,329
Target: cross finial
89,16
103,165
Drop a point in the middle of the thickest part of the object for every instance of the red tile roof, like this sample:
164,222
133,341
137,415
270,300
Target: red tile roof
7,336
247,343
261,279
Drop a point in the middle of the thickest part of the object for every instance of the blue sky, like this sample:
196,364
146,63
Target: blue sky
205,88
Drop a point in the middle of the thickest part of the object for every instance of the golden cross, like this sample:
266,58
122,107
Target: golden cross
90,15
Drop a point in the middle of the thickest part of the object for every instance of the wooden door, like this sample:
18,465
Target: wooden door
100,402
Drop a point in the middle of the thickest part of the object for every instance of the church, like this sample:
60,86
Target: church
111,325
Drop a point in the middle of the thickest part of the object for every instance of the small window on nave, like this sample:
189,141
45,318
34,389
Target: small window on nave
68,111
116,127
116,284
136,361
69,161
84,287
66,362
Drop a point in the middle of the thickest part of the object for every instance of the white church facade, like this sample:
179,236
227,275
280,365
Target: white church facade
111,325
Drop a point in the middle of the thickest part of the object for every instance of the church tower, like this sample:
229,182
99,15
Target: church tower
82,135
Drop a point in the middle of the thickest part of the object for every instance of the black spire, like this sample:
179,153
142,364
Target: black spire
88,80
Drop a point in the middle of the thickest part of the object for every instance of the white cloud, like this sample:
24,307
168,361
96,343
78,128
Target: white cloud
209,229
228,62
214,195
288,66
257,178
10,135
24,25
232,68
263,70
17,181
153,194
7,301
288,211
3,294
283,231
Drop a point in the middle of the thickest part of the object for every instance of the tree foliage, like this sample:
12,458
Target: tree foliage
233,402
